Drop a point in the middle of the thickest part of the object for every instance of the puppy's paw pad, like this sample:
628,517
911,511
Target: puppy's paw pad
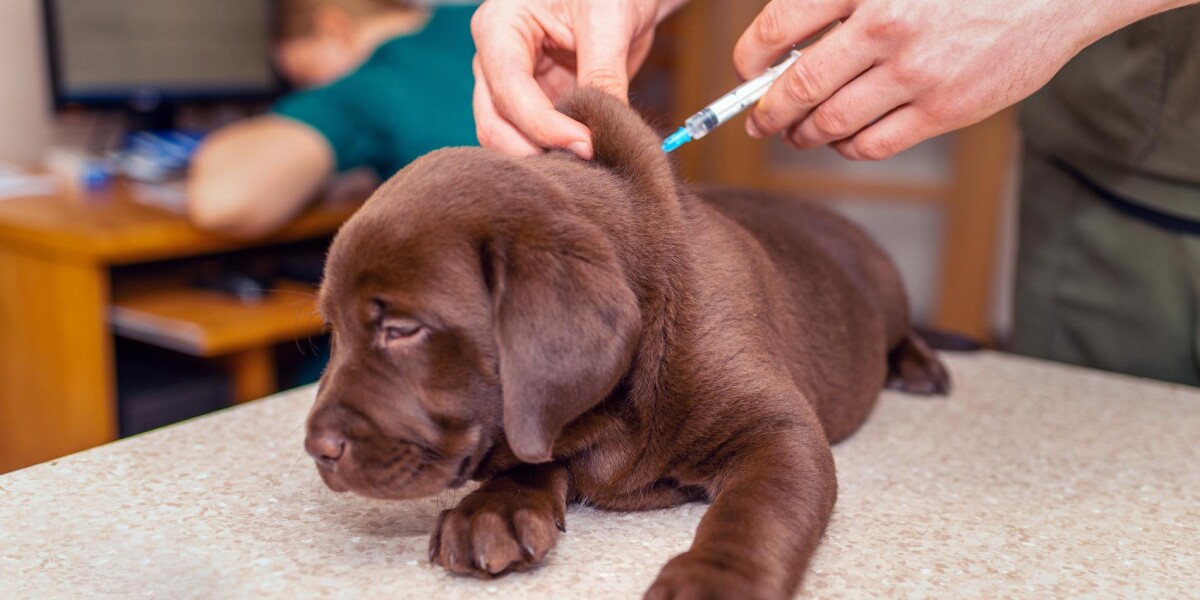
489,535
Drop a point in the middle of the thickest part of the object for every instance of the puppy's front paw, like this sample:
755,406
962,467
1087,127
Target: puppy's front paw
692,577
489,533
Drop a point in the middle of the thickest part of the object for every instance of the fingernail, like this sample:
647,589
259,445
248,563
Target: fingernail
581,149
752,129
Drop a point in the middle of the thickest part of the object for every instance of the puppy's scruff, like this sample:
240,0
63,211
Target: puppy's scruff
567,331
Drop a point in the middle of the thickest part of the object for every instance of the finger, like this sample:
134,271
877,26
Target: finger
781,25
603,50
820,72
507,69
900,130
491,129
852,108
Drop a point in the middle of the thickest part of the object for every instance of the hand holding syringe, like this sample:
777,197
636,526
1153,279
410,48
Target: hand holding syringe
742,97
728,106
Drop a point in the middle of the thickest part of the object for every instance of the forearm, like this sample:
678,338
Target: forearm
769,513
1116,14
768,524
251,178
224,197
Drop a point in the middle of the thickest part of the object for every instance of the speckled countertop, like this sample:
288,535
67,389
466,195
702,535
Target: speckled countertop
1034,480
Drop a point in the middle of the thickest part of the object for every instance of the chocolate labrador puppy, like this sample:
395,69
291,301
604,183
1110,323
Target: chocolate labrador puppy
566,331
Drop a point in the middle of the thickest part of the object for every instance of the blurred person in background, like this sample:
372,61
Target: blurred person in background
382,82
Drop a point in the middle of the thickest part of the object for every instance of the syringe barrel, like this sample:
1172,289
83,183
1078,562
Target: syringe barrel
699,124
739,99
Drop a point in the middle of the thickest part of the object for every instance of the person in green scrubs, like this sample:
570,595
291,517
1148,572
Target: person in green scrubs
382,83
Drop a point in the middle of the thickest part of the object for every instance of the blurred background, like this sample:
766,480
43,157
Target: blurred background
119,315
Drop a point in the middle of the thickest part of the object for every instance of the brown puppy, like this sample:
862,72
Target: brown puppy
565,330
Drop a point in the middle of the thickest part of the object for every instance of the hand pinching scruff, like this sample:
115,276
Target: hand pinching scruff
532,53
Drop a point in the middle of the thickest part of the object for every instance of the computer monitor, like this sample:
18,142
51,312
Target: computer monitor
149,54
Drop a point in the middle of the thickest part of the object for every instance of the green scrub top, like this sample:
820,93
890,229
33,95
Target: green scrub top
412,96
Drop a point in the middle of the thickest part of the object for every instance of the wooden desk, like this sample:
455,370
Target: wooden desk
57,388
214,325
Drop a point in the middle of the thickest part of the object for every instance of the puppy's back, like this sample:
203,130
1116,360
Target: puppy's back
797,232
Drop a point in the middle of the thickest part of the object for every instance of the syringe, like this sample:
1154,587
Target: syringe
728,106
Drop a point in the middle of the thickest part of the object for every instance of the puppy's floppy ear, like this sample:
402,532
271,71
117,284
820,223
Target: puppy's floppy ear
623,142
566,327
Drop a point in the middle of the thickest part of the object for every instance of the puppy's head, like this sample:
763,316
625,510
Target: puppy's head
471,305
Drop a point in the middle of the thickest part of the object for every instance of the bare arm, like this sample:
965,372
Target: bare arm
250,178
897,72
1122,13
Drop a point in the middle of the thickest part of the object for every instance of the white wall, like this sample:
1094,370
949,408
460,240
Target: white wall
24,98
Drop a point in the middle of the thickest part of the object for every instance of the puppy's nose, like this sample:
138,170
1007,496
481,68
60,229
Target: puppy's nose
326,447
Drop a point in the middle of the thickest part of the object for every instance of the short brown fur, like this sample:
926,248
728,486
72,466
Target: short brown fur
568,331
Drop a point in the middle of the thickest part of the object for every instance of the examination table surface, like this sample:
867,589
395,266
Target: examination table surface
1033,479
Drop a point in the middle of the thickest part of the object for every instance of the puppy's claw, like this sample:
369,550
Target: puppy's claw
560,525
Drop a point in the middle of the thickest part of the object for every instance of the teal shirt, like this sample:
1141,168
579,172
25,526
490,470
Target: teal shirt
412,96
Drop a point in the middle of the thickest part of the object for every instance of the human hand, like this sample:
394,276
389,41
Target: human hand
530,53
897,72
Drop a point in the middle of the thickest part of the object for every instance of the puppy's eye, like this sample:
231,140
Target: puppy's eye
393,330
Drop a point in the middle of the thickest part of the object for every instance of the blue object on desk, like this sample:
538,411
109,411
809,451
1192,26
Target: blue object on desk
96,175
158,155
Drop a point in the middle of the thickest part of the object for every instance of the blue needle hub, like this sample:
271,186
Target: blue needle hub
676,139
